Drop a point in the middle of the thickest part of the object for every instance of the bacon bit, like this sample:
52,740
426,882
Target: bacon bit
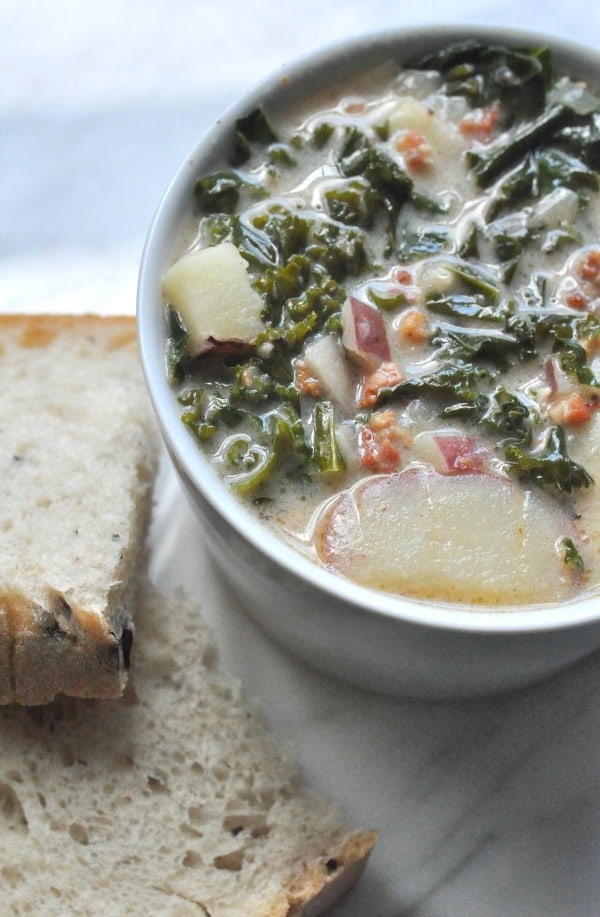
383,420
589,266
414,326
385,376
402,276
417,152
481,123
306,383
571,410
379,443
353,106
577,300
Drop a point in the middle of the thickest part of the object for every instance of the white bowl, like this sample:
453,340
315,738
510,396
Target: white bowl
380,641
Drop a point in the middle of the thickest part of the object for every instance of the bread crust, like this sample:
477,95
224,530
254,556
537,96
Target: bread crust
324,881
72,397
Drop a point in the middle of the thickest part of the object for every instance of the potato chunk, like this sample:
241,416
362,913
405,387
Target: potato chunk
211,290
473,538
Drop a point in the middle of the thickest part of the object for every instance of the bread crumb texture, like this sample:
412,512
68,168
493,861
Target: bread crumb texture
77,460
171,800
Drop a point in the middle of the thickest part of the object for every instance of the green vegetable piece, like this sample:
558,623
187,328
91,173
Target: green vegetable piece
508,249
558,168
280,154
391,186
469,247
220,410
488,164
218,193
322,134
426,204
288,231
254,245
326,452
571,555
176,346
287,432
257,464
508,414
385,300
464,306
422,243
517,77
475,278
573,360
340,250
549,466
538,174
353,205
254,384
583,140
194,402
253,128
458,382
471,344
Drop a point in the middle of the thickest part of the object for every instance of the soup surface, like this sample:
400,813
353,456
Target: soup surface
383,326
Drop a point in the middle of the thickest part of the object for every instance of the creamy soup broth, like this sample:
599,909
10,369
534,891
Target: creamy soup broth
384,327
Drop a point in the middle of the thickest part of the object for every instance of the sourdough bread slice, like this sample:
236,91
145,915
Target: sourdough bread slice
171,801
77,458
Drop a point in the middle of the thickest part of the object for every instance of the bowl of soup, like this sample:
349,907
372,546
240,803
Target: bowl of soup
369,320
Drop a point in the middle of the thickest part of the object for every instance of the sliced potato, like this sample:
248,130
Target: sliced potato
211,290
325,359
472,538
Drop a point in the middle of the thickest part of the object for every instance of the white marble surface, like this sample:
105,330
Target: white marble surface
485,809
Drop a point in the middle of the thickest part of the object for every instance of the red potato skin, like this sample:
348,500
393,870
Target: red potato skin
462,454
365,335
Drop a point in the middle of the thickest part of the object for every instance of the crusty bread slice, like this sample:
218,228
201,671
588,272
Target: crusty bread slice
77,453
171,801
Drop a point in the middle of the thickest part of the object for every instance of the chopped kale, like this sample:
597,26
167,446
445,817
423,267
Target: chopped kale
483,73
539,172
254,128
475,345
548,465
507,414
459,383
573,360
177,339
391,187
422,243
583,141
572,555
464,305
498,157
326,453
255,245
354,204
221,191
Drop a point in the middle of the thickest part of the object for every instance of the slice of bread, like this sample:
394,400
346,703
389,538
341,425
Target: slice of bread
77,452
171,801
